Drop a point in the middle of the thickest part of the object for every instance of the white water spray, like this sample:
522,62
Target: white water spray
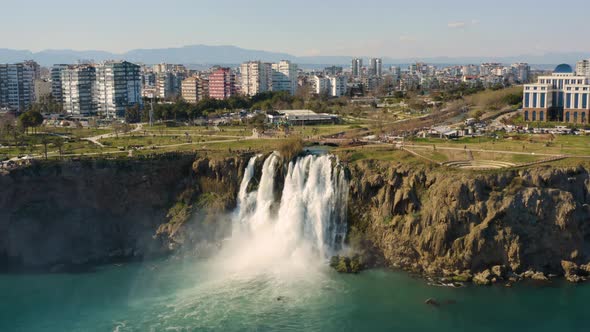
309,219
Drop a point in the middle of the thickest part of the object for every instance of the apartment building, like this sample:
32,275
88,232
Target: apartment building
222,83
256,77
357,67
56,84
583,68
17,87
334,86
194,89
79,90
284,77
118,87
376,67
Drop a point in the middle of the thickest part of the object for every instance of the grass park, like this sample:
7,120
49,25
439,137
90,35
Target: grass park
358,122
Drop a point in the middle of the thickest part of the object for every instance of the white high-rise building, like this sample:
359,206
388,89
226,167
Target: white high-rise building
334,86
376,67
118,87
284,77
357,67
79,90
396,71
583,68
17,86
521,71
338,85
56,85
321,85
256,77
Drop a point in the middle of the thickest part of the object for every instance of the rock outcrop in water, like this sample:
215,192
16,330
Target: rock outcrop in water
458,224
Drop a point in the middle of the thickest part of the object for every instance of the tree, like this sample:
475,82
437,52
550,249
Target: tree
45,141
132,114
117,128
478,115
258,121
30,119
59,144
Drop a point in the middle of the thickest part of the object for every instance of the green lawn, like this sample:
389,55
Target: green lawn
559,144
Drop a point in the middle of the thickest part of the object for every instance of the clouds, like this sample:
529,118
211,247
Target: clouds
456,25
462,24
406,38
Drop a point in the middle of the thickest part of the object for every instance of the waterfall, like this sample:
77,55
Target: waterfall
311,213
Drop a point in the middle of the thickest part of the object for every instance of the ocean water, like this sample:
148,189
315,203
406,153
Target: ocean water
188,295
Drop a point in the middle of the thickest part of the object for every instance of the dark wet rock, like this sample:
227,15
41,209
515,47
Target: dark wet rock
432,302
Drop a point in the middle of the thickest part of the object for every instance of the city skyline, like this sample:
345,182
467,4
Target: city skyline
378,28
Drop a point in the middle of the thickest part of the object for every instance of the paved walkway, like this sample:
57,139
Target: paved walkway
96,139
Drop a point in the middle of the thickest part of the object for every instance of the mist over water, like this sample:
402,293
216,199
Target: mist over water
295,227
286,226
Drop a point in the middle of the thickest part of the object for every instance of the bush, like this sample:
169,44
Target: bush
290,148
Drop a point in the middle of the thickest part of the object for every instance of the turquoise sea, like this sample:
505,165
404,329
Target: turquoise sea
188,295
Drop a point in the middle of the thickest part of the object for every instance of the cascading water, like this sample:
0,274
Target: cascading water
311,214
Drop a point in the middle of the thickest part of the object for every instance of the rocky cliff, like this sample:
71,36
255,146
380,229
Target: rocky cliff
487,225
80,212
481,226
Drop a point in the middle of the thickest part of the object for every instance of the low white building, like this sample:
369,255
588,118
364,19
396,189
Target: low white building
308,117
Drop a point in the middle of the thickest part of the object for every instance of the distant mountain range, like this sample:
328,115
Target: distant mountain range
231,55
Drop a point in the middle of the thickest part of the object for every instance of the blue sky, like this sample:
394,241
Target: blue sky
303,27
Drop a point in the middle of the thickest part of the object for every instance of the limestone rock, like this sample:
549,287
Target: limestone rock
483,278
499,271
569,268
539,276
435,220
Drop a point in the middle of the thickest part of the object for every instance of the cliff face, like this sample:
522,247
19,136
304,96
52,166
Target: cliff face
200,218
432,221
451,223
88,211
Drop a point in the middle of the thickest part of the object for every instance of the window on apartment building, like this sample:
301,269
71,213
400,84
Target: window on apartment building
534,100
575,117
527,99
583,117
567,116
584,101
534,116
576,100
526,115
542,116
543,100
568,100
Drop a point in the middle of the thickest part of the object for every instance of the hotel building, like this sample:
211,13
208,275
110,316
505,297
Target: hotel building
563,97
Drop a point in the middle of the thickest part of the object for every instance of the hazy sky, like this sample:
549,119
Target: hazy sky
302,27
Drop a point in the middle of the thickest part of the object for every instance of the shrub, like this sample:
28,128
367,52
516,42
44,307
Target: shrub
290,148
